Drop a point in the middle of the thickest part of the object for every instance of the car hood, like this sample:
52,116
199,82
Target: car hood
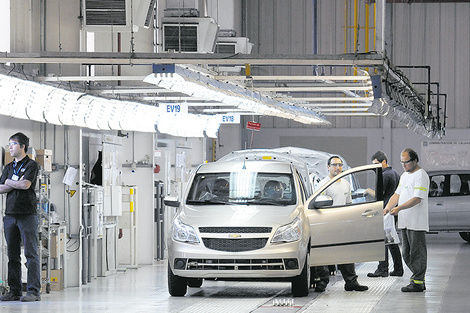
238,215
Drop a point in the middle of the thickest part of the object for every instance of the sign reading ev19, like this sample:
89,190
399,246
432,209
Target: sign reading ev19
175,108
229,118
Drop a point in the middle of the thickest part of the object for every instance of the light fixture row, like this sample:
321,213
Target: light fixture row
47,104
197,84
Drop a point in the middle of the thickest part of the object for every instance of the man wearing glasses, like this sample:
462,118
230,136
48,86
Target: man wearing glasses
340,192
410,203
18,181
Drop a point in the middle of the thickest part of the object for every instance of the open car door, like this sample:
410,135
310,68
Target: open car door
348,233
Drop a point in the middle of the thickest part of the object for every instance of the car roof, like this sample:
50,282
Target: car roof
306,160
251,166
446,172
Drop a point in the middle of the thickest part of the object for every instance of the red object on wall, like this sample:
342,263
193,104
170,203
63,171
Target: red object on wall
253,126
156,170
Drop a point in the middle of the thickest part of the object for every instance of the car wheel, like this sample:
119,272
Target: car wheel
465,236
176,285
312,277
301,283
194,282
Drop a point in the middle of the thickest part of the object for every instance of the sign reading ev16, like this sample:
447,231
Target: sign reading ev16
175,108
229,118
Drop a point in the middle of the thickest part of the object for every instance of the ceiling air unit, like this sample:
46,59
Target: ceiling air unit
116,15
233,45
189,34
229,43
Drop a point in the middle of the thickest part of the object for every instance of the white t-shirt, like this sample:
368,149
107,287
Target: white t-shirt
414,185
340,191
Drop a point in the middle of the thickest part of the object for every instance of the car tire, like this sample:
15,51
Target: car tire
465,236
301,283
194,282
177,285
312,277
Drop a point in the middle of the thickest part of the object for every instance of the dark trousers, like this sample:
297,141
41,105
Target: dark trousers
321,274
415,253
396,257
22,229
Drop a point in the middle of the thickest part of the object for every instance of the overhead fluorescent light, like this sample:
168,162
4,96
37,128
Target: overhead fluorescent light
195,83
47,104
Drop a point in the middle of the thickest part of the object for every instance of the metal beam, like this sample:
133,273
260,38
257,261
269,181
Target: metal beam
293,78
120,58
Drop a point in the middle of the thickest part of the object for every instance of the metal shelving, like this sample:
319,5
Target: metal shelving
43,209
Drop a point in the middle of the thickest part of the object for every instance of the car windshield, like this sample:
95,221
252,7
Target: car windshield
242,188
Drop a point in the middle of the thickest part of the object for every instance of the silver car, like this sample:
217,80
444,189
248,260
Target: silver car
255,220
449,202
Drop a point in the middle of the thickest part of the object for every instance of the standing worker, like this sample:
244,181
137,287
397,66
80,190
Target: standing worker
390,183
18,180
340,192
410,203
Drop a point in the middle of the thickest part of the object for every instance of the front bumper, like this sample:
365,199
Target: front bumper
272,261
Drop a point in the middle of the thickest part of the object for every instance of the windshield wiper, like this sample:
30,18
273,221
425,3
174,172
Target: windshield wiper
208,201
265,201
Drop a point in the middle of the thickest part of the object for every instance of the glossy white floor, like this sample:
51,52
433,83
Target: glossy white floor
144,290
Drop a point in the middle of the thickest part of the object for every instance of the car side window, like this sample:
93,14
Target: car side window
366,180
455,184
302,186
436,186
465,188
459,184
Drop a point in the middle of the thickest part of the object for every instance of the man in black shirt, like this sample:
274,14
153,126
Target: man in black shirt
20,222
390,183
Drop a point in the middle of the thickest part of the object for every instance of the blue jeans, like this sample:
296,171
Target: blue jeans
22,228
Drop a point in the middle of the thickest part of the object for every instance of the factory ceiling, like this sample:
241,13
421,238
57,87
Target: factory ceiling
304,88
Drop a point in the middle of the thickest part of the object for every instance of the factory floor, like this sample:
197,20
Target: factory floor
145,290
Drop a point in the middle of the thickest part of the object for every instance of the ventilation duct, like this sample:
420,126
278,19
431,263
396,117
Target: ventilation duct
116,15
233,45
188,34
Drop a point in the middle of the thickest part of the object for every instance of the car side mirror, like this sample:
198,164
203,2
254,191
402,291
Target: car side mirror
171,201
321,201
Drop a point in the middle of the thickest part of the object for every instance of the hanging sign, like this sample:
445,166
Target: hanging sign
253,126
229,118
175,108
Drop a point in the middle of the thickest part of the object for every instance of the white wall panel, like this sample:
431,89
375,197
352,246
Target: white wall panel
462,68
431,34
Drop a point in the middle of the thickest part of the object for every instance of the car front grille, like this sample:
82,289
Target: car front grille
235,264
235,230
234,245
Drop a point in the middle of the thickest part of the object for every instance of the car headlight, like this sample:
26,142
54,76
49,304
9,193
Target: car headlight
184,233
288,233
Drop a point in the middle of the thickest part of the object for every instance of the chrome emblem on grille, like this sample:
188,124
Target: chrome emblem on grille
234,236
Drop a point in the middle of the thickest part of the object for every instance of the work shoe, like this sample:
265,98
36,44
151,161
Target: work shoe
377,273
29,297
396,273
355,287
412,287
10,297
320,288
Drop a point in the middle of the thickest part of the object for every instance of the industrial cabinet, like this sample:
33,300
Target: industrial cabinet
43,209
52,238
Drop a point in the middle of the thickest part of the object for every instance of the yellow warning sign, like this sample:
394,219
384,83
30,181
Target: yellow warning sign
71,192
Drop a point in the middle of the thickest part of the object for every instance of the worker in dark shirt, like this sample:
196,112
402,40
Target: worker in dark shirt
20,222
390,184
